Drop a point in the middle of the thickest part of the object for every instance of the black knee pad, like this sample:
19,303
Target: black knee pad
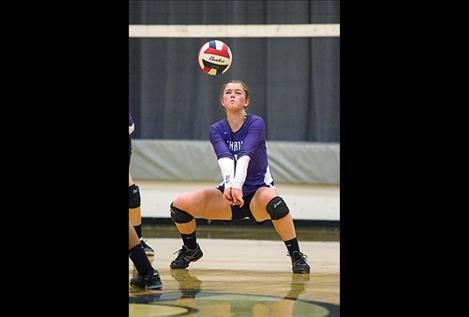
277,208
179,216
134,196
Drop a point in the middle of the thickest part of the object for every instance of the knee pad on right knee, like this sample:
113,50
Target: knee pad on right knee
179,216
277,208
134,196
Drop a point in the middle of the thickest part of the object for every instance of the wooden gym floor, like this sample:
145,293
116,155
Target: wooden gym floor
242,278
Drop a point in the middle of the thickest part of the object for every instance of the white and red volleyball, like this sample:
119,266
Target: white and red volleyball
215,57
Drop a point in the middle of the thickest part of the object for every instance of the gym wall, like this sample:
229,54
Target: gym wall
294,79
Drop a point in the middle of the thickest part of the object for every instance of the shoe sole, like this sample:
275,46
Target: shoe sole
153,287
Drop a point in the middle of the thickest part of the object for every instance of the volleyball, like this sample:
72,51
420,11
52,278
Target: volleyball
215,57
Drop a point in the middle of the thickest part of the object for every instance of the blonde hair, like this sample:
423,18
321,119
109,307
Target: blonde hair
245,88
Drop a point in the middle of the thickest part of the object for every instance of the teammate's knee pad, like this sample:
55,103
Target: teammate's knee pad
277,208
179,216
134,196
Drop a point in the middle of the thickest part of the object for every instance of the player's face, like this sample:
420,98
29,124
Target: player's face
234,97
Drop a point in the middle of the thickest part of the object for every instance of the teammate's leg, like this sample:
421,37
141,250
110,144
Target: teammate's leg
205,203
135,214
148,277
267,204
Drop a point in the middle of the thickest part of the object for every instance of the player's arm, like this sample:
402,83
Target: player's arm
225,161
131,124
238,180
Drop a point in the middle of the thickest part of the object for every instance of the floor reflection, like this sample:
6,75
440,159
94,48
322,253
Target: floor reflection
200,293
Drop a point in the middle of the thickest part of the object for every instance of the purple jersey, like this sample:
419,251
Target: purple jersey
248,140
131,124
131,121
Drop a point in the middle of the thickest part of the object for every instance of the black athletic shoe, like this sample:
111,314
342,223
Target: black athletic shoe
185,256
150,282
298,261
148,250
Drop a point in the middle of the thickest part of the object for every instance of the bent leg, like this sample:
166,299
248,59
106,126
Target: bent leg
267,204
148,278
284,225
137,254
135,212
205,203
133,238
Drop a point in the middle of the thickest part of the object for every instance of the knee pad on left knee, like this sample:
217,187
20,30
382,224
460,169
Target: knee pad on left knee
134,196
277,208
